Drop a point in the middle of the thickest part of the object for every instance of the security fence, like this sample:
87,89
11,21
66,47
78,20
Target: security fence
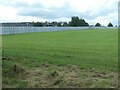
27,29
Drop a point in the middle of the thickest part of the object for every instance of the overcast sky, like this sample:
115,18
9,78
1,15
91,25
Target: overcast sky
93,11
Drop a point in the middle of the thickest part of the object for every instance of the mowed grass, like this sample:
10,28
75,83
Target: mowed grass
85,48
93,48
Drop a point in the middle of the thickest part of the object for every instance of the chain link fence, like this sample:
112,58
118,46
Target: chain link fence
22,29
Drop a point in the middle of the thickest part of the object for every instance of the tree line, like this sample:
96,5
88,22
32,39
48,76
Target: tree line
75,22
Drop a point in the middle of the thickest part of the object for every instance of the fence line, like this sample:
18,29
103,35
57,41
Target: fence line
27,29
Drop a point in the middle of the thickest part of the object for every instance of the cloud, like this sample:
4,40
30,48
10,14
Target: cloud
92,10
104,20
38,10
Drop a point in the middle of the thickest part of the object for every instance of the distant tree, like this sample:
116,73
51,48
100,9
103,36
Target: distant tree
69,23
75,21
65,24
110,25
37,24
54,23
59,24
83,23
97,25
32,23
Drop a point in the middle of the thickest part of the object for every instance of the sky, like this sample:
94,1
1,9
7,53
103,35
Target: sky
93,11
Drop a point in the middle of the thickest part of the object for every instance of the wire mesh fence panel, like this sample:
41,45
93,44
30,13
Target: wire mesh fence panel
28,29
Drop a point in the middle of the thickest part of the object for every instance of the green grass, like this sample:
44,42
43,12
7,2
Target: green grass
95,48
86,48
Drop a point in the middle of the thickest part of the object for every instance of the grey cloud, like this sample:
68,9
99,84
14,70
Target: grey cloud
66,11
12,3
37,10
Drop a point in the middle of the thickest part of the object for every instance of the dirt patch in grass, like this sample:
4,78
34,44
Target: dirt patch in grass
46,75
53,76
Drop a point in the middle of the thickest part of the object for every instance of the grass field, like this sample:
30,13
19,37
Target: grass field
81,58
